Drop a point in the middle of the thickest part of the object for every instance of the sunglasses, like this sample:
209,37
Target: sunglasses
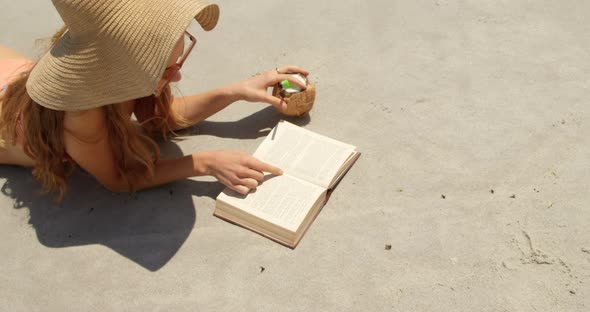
172,70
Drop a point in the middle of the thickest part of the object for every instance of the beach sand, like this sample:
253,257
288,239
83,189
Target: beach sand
472,193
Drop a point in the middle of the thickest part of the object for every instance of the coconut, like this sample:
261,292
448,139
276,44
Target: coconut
300,102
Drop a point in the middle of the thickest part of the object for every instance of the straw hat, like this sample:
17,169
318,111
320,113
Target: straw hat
113,51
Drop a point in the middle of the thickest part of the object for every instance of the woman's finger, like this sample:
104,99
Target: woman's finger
279,103
240,189
236,187
249,183
292,69
252,174
264,167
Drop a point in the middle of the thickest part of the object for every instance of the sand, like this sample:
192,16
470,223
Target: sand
471,194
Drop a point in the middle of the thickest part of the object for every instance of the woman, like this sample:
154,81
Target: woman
112,59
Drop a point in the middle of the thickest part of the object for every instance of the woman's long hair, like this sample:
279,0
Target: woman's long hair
135,153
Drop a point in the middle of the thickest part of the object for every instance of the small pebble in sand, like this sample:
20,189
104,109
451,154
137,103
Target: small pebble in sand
492,191
443,196
262,269
513,196
387,246
573,292
550,204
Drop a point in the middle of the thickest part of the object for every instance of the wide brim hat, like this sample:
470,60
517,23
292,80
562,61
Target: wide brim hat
113,50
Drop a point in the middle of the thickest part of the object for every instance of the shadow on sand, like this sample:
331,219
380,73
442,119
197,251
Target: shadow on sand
253,126
148,228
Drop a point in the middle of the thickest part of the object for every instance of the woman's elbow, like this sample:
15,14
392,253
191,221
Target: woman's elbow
116,186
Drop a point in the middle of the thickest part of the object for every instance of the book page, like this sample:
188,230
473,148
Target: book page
304,154
283,200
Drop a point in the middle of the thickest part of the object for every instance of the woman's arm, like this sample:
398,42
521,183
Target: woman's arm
198,107
87,142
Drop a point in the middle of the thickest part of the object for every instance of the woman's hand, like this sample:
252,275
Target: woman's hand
255,88
236,170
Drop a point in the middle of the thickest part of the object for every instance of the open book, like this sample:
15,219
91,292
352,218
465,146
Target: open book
283,207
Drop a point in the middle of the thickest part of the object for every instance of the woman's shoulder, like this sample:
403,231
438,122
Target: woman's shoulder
87,125
11,65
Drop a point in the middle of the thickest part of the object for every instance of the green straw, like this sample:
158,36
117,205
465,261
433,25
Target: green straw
286,84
